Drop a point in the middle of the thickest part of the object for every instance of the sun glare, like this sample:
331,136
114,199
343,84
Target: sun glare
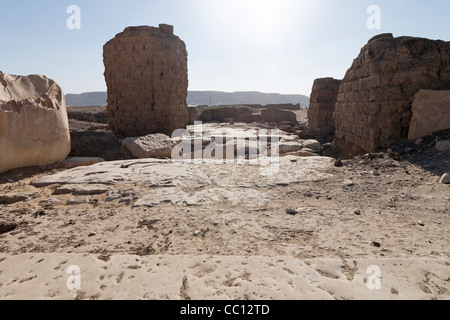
257,20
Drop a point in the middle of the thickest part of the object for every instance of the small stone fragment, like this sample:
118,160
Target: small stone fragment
338,163
12,198
79,200
348,183
291,212
443,145
7,226
376,244
445,178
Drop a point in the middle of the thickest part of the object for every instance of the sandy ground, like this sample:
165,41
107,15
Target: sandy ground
311,231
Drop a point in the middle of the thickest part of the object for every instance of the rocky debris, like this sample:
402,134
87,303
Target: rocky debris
445,179
13,198
151,98
34,127
376,244
311,144
373,108
286,147
250,118
78,200
291,212
151,146
424,154
90,189
302,153
338,163
322,104
288,127
430,113
85,144
347,183
220,114
7,226
275,115
443,145
230,120
221,141
120,194
49,202
39,213
288,138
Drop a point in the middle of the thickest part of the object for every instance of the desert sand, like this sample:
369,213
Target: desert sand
155,229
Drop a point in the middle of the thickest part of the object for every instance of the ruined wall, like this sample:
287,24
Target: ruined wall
275,115
373,108
219,114
430,113
322,105
147,79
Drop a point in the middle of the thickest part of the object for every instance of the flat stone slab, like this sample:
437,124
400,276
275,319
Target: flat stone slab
13,198
175,196
90,189
166,181
110,173
72,162
81,276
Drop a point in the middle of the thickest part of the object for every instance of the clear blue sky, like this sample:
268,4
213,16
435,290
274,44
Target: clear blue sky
234,45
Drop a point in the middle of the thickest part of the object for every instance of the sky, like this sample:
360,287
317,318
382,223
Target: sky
274,46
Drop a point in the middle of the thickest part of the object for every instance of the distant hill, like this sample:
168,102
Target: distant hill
86,99
215,98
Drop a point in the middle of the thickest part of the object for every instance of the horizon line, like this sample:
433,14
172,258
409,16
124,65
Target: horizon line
218,91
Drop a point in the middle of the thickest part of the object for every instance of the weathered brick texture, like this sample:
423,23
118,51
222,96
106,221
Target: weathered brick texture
147,78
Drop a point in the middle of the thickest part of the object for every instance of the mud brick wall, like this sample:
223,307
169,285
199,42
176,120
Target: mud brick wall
322,105
147,79
373,108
